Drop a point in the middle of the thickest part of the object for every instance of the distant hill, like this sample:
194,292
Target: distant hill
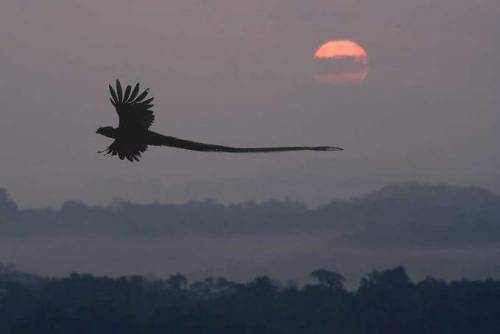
8,208
419,213
409,213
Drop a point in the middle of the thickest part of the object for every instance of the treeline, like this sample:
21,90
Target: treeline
385,302
408,213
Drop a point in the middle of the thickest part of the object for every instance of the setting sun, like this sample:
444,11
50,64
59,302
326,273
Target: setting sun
342,49
340,62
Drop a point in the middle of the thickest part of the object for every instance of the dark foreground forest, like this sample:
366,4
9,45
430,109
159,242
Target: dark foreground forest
385,302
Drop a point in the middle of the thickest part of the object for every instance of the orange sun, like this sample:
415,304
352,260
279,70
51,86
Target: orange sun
342,49
341,62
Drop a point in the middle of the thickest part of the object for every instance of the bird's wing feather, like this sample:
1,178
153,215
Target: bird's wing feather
134,112
126,150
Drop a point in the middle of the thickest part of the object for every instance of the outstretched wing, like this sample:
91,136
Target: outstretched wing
126,150
134,111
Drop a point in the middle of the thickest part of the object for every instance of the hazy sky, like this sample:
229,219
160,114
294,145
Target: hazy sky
241,72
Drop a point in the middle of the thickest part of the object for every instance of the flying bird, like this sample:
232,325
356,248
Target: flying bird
132,136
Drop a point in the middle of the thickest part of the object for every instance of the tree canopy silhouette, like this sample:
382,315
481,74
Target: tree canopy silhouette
386,302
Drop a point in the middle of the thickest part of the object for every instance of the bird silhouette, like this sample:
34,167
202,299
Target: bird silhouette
132,137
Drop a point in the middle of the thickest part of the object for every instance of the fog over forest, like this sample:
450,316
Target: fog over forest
446,231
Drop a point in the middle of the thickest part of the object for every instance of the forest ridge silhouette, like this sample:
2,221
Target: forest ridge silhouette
132,137
385,301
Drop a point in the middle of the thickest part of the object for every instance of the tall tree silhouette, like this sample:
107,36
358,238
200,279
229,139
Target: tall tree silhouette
132,137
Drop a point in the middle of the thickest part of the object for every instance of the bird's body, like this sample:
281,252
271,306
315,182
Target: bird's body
132,137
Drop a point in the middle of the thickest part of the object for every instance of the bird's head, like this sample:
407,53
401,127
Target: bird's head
107,131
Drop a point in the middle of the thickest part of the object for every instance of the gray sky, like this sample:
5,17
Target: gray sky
241,72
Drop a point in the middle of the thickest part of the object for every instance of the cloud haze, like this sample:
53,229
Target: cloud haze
450,232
